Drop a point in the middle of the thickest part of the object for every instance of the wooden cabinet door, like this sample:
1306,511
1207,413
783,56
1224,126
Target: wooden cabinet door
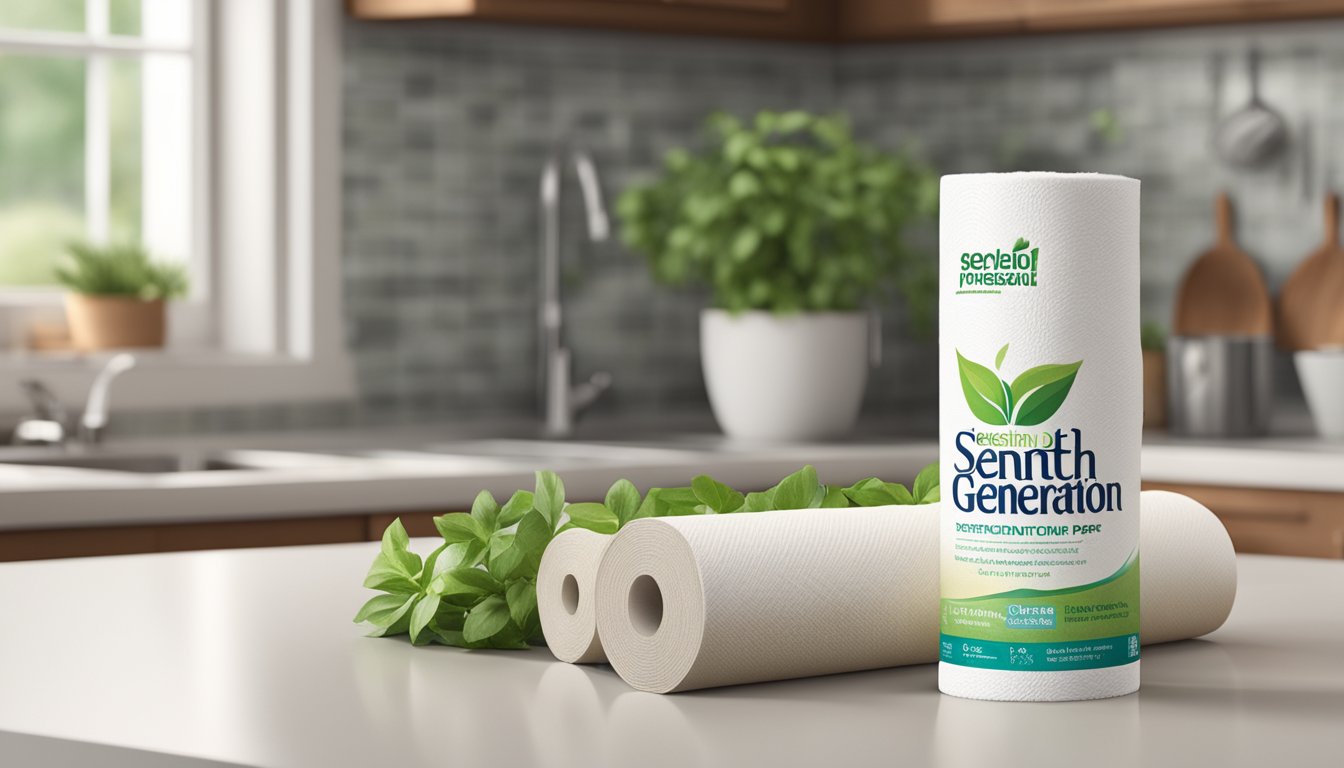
1274,522
779,19
1080,14
885,19
773,6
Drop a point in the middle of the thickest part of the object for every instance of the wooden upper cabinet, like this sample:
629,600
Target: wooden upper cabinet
812,20
854,20
884,20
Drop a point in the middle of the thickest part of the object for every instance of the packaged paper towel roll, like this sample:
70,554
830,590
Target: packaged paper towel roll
1040,413
698,602
565,596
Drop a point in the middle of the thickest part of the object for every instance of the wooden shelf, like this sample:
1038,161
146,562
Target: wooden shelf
841,21
810,20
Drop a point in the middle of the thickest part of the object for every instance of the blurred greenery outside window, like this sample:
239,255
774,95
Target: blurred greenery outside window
97,131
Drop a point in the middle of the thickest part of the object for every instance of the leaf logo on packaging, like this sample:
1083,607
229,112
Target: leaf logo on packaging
1030,399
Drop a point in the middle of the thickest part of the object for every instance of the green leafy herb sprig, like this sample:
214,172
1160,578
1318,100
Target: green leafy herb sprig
786,212
120,269
478,589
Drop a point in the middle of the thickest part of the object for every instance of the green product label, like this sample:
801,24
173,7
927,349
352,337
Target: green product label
1040,657
1030,500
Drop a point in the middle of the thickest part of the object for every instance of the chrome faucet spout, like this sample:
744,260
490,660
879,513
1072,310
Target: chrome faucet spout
94,420
561,400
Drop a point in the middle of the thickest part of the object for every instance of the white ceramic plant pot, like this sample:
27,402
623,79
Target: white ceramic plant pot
785,377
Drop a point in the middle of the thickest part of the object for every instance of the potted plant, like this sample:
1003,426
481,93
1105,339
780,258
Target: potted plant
116,295
795,228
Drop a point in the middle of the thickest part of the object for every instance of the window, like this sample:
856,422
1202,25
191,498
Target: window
99,131
236,171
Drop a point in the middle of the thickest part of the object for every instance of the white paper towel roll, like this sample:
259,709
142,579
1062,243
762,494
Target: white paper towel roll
1040,411
565,596
697,602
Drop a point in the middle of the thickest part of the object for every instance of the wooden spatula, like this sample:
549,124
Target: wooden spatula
1311,304
1223,293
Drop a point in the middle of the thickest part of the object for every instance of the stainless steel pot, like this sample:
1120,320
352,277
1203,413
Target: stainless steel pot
1219,386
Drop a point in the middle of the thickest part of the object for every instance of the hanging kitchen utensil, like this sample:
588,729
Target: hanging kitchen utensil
1223,292
1255,134
1311,304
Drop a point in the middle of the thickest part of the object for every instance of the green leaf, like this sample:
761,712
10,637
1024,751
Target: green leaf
394,544
488,617
549,498
457,527
594,517
623,500
1040,391
759,501
522,599
743,184
382,610
874,492
1021,245
985,393
649,506
506,558
869,492
834,498
674,502
424,610
398,622
797,490
427,572
998,359
745,244
391,576
485,511
534,533
926,485
465,581
716,495
900,493
519,504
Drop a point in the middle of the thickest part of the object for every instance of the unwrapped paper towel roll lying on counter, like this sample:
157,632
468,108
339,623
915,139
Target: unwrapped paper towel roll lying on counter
565,595
702,601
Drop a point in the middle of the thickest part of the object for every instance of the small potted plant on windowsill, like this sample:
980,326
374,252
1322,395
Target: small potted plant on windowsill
796,228
117,295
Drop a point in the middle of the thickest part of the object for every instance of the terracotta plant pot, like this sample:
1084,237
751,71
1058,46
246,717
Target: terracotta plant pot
114,322
1154,388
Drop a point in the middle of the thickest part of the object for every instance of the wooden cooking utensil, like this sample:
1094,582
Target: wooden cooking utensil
1311,304
1223,293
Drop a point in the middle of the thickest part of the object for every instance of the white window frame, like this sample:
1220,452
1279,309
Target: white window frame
97,46
268,225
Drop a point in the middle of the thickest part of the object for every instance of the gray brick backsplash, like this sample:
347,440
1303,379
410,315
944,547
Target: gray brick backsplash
447,126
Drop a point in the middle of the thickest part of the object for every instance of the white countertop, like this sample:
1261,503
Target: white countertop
249,657
400,480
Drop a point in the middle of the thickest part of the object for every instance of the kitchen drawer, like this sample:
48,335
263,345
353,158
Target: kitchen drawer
1273,522
141,539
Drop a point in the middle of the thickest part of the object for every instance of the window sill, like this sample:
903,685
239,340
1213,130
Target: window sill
181,378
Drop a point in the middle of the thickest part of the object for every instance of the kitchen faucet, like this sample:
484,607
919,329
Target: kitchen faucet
562,400
49,425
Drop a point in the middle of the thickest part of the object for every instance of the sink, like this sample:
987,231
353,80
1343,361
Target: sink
149,463
184,461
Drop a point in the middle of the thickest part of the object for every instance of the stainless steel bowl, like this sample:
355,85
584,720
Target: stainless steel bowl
1219,386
